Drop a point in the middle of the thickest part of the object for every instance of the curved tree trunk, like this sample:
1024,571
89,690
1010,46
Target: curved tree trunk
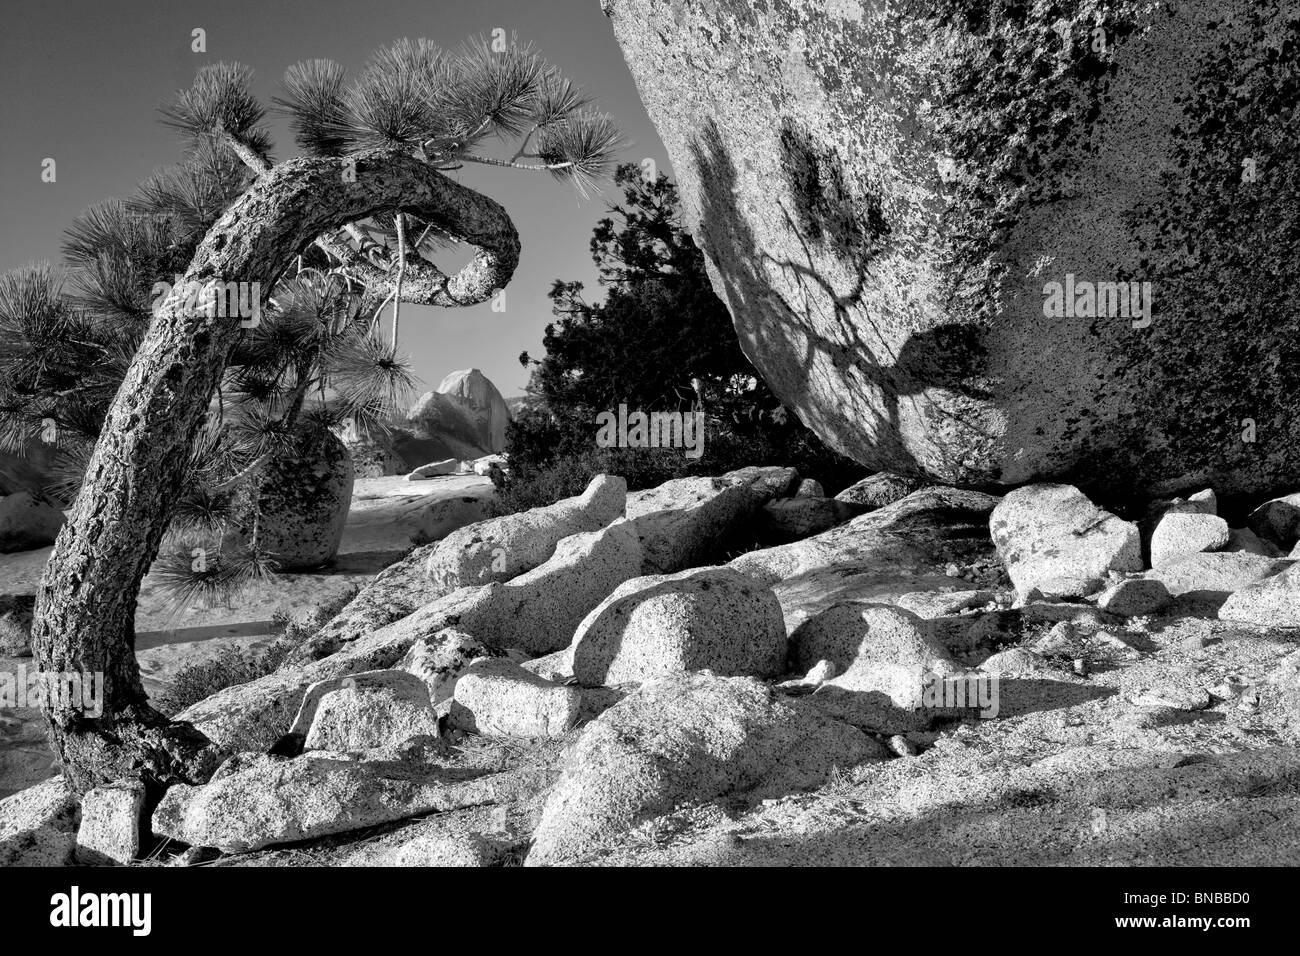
85,605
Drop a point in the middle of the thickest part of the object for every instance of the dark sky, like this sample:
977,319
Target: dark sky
80,81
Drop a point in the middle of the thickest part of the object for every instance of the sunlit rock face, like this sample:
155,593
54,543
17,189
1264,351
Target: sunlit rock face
996,243
464,418
477,399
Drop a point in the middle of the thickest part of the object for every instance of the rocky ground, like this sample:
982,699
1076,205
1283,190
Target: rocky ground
386,514
739,670
1077,771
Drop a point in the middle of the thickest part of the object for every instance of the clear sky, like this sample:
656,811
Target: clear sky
82,80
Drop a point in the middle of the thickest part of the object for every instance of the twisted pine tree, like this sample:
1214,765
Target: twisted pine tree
311,363
364,205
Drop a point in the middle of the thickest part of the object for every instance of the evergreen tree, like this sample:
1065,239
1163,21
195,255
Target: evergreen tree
660,341
332,238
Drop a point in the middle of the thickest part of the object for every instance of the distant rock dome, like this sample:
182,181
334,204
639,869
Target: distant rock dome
465,409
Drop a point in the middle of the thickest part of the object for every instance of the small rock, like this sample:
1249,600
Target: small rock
500,549
791,519
880,490
901,746
1246,541
1226,690
684,522
952,570
932,604
810,488
1212,576
49,803
371,709
1133,597
1051,537
257,800
896,674
1014,661
483,466
435,849
38,826
556,667
440,659
850,632
879,697
1062,640
1114,643
1181,534
1272,602
110,824
195,855
820,672
1173,695
1278,520
538,612
448,466
499,698
710,617
496,549
766,481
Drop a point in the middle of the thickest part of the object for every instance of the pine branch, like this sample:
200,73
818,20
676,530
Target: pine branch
401,274
509,164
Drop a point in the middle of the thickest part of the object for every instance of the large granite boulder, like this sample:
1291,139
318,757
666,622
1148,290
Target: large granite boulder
496,549
303,497
536,612
373,455
895,199
686,739
1053,539
38,825
714,618
257,800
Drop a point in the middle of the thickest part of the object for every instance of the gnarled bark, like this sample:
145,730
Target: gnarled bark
86,602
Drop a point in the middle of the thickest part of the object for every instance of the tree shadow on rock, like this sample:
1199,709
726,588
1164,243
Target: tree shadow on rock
945,358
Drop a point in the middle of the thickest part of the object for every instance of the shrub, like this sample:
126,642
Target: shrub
231,666
662,341
566,472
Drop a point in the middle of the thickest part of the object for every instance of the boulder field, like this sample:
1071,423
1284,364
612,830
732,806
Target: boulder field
951,678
